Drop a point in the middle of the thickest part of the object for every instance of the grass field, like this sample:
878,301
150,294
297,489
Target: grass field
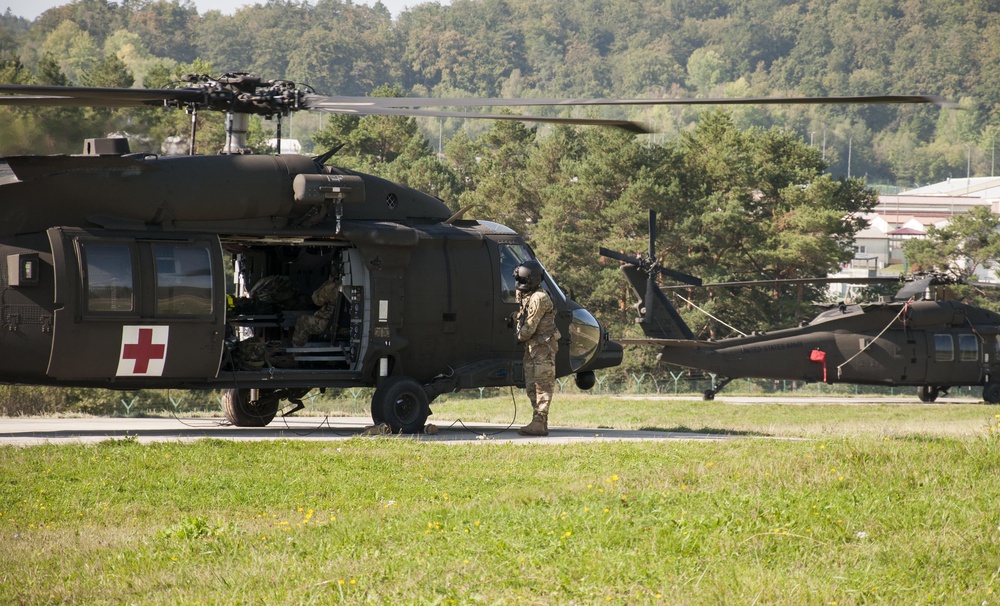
885,503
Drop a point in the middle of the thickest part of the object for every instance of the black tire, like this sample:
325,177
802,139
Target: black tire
991,393
377,411
401,403
241,411
926,393
708,396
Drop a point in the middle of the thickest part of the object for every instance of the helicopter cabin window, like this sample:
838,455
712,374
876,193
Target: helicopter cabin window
968,348
944,348
183,279
108,281
511,255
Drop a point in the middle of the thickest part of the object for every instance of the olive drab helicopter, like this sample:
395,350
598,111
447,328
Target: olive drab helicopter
113,264
905,340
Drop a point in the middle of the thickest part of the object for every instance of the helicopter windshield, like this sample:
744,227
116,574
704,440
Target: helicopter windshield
512,255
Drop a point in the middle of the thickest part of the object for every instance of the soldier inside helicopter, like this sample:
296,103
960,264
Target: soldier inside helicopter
274,325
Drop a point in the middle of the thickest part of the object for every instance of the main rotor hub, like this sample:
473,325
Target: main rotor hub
242,93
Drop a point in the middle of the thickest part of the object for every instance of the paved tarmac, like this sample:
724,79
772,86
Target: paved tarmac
29,431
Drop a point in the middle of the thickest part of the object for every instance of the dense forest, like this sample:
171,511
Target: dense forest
585,48
741,193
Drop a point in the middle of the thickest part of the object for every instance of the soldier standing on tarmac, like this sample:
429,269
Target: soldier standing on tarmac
536,328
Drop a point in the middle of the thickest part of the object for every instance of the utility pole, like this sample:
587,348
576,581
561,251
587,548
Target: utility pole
850,145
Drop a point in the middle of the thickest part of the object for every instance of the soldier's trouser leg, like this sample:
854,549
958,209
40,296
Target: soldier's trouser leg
539,384
307,326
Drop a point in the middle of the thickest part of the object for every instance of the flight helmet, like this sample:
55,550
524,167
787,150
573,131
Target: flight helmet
528,275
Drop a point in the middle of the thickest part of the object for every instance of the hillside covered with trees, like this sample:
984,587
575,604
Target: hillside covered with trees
586,48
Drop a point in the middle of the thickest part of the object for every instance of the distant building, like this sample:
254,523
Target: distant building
906,215
900,217
288,146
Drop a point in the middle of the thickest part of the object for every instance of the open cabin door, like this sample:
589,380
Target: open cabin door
136,307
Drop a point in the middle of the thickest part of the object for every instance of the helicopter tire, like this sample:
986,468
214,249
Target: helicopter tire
708,396
926,393
402,404
241,411
991,393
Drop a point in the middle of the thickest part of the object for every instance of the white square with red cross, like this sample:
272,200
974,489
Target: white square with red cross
143,352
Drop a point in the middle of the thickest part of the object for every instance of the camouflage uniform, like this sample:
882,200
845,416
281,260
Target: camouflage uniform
536,328
326,297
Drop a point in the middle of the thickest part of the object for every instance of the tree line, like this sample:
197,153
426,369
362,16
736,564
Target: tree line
587,48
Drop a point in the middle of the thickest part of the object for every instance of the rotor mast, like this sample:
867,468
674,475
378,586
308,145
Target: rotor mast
237,126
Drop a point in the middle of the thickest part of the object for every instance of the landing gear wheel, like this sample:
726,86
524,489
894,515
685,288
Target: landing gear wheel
926,393
401,403
709,394
243,411
991,393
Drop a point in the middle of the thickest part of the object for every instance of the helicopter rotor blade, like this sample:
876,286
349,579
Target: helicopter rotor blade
652,234
680,277
651,277
629,259
523,102
82,96
248,94
362,109
826,280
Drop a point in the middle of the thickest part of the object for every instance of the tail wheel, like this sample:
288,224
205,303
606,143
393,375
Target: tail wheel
242,410
401,403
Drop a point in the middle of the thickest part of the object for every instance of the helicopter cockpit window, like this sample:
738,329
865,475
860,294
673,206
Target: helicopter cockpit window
511,255
108,277
183,280
944,348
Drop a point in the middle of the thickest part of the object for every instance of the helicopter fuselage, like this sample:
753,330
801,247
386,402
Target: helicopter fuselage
932,345
115,272
922,343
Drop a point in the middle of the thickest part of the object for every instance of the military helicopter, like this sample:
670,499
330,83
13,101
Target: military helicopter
932,345
115,263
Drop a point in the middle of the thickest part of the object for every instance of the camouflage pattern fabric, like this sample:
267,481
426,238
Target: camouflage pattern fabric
536,328
326,296
276,290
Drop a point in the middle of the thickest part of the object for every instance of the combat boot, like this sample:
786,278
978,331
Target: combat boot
539,426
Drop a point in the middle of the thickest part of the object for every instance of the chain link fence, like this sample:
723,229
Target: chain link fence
18,400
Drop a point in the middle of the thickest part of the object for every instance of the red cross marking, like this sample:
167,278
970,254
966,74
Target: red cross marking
144,351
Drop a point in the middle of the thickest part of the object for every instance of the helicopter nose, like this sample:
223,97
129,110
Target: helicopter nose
589,346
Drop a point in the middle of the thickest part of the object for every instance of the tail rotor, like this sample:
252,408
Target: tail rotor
651,267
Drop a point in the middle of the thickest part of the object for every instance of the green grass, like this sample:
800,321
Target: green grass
877,515
803,419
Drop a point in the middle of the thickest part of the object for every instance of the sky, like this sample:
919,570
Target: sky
30,9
